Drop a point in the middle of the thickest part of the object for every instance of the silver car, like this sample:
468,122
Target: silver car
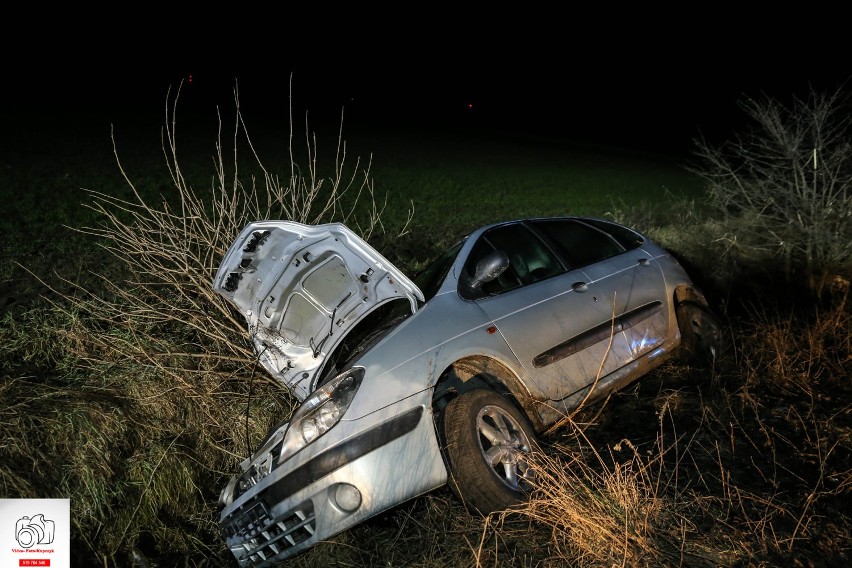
406,385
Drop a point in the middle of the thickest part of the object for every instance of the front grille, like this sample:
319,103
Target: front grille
261,537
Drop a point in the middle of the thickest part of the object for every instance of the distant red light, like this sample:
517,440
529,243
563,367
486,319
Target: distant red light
190,78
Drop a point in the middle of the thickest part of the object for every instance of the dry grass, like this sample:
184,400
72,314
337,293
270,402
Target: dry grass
748,469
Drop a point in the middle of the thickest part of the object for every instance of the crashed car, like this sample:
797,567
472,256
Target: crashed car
408,384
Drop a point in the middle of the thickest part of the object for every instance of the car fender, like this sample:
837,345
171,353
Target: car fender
412,358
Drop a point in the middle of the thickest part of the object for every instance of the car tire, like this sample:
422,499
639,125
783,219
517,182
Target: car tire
701,335
487,440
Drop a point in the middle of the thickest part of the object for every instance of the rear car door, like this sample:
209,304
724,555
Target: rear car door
627,283
550,313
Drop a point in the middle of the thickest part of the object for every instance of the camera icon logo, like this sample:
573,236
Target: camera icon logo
30,531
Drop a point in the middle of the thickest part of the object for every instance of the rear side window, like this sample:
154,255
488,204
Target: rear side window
577,243
627,238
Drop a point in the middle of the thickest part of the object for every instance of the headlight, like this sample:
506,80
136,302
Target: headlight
321,411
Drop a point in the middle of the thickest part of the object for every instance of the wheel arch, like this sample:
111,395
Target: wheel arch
689,294
700,343
484,372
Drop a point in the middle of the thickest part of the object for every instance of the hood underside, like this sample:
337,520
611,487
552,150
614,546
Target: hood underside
301,288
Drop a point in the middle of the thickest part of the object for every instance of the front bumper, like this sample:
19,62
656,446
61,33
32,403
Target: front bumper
299,504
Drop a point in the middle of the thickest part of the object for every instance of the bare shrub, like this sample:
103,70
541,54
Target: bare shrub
782,190
171,249
153,383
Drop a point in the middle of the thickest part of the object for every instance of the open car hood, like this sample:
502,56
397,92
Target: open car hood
301,288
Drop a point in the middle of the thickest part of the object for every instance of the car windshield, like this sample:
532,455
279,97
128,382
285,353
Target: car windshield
429,279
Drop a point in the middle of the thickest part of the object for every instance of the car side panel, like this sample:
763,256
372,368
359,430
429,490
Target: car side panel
412,357
559,332
630,287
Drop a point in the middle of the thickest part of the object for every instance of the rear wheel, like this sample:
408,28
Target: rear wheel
488,444
701,334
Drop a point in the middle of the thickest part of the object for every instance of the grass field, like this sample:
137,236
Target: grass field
747,466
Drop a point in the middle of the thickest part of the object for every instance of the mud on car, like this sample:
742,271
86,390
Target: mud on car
408,384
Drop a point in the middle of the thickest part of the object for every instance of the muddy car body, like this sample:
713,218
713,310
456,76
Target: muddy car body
408,384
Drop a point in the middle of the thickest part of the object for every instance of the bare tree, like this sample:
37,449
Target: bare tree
782,188
171,248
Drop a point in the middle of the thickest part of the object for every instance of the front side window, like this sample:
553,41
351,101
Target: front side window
530,260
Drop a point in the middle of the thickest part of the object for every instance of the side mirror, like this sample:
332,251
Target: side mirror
489,267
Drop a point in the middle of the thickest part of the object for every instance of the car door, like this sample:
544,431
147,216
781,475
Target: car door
549,313
626,282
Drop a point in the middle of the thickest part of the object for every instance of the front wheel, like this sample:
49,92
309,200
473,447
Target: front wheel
488,444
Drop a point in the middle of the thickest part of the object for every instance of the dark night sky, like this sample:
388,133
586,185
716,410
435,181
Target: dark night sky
651,91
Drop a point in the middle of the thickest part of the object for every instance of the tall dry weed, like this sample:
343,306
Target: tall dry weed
149,395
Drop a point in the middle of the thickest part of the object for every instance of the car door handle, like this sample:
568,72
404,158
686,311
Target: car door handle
579,286
644,262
